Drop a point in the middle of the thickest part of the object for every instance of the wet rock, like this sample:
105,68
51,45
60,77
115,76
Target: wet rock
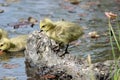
4,4
43,62
10,66
12,1
75,2
9,78
1,11
93,34
32,21
24,23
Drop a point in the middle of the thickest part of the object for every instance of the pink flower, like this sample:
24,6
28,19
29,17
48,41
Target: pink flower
110,15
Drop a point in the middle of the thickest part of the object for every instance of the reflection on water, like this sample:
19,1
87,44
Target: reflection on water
12,65
9,56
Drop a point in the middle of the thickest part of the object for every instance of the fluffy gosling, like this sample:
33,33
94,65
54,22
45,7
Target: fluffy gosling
3,34
61,31
13,44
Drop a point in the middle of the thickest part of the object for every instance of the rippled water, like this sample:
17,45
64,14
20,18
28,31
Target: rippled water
89,15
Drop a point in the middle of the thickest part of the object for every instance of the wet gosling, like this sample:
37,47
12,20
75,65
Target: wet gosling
61,31
13,44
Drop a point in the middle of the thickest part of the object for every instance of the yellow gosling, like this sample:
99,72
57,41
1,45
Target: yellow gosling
61,31
13,44
3,34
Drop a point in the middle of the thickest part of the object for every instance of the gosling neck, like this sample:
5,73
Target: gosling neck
51,28
12,46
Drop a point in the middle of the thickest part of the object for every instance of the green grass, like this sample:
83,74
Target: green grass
116,75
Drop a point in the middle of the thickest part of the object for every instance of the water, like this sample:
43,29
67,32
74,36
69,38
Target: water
89,13
14,59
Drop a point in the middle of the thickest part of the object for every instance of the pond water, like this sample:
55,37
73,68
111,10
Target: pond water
89,14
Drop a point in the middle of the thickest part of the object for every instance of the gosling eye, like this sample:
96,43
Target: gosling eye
1,45
43,26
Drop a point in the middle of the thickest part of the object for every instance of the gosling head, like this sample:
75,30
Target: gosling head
4,44
46,25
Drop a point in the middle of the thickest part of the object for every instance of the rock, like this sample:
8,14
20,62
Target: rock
93,35
11,1
75,2
9,78
4,4
43,62
1,11
24,23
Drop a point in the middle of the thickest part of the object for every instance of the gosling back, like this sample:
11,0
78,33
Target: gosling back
61,31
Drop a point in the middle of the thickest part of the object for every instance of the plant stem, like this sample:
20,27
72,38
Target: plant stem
113,52
110,26
118,28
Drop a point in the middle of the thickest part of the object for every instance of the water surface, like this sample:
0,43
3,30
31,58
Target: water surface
89,14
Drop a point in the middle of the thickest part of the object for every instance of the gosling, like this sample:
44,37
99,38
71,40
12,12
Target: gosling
3,34
14,44
61,31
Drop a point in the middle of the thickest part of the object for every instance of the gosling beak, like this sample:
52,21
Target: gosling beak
41,30
1,52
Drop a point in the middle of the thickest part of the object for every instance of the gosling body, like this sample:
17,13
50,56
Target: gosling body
61,31
13,44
